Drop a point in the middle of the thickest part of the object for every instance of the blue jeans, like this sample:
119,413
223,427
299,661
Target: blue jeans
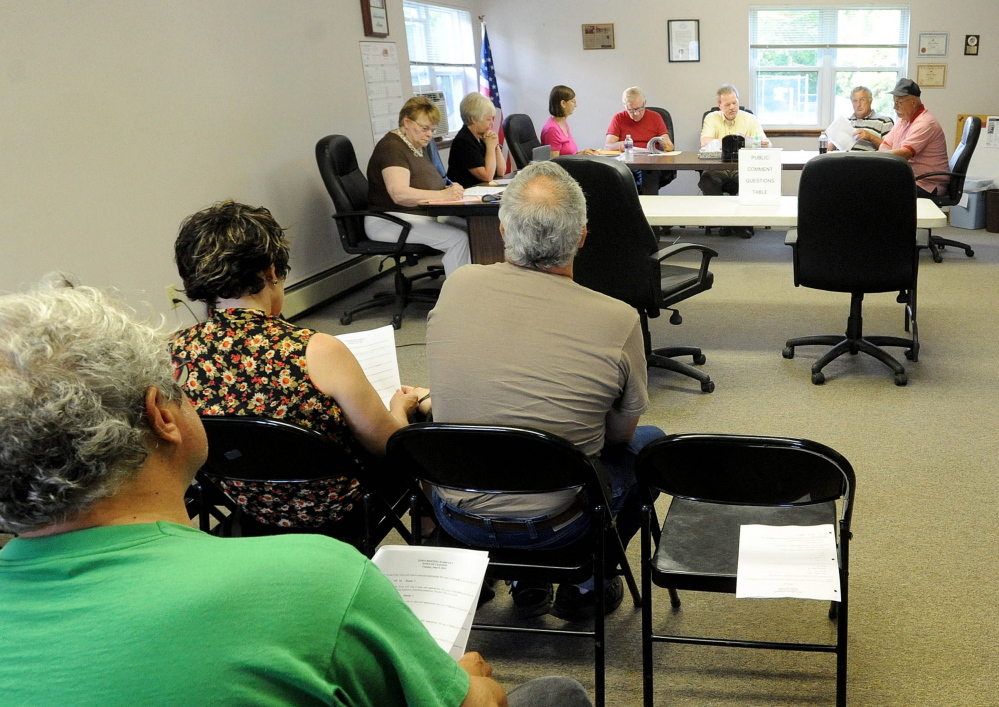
626,505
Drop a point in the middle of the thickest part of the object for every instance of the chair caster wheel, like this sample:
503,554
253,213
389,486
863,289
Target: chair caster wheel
397,321
970,253
708,387
937,258
901,379
675,318
909,355
788,352
818,378
700,359
346,319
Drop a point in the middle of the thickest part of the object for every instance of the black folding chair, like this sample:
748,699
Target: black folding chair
243,448
719,483
498,460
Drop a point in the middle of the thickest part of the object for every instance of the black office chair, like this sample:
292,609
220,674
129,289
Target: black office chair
717,484
959,162
621,258
496,460
243,448
853,239
707,229
521,138
348,187
665,177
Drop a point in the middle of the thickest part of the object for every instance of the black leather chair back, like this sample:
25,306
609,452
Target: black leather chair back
521,138
347,186
960,161
616,258
852,238
667,118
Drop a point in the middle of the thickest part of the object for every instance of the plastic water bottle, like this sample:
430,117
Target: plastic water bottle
755,142
823,143
629,148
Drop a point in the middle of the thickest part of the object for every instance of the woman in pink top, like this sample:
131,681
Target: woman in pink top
561,104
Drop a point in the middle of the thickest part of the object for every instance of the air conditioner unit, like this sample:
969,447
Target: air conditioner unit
438,98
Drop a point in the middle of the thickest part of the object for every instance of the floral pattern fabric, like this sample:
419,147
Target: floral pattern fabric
247,362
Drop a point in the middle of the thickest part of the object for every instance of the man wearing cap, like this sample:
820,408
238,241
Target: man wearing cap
917,137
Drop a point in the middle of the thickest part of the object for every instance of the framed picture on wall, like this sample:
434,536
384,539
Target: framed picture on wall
684,40
375,18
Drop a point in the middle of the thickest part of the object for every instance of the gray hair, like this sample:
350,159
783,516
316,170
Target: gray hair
870,96
632,93
74,371
725,89
543,213
474,107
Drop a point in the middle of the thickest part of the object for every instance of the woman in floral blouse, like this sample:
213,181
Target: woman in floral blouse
245,360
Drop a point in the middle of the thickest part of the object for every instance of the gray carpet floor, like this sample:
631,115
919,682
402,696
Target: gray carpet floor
924,560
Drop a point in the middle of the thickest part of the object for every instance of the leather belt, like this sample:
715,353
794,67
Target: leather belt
521,525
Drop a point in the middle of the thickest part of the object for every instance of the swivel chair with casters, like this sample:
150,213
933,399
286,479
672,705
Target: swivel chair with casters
521,138
621,258
868,247
959,162
718,483
244,448
348,187
515,460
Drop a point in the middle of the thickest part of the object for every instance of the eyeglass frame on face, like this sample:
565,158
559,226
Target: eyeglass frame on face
899,100
635,111
423,128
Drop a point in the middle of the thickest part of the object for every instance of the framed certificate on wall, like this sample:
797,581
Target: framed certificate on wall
684,40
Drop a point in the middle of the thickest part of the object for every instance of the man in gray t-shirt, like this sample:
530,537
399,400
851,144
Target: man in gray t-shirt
519,343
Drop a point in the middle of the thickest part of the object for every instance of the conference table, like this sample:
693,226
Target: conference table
487,245
641,162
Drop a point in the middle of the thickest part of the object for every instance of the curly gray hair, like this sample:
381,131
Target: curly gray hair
74,371
543,213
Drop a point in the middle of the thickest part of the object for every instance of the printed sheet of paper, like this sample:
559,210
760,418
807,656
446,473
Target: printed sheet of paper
375,351
787,561
482,191
840,134
441,585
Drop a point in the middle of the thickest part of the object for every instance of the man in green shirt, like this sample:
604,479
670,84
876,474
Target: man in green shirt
110,598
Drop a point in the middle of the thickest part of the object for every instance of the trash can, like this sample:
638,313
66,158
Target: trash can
992,211
972,214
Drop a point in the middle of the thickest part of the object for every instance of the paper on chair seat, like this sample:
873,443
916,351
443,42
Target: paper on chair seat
788,561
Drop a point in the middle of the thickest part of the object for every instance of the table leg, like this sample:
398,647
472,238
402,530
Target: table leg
484,239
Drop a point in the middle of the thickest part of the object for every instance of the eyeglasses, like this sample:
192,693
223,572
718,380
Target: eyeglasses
423,128
898,101
635,111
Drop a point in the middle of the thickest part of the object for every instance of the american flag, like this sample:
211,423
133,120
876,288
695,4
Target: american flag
490,89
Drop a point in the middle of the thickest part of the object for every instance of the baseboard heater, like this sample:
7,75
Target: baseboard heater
316,291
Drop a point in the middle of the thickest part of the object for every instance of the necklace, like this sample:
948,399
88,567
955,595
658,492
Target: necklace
417,152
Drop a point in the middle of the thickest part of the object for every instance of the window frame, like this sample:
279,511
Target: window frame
443,76
826,67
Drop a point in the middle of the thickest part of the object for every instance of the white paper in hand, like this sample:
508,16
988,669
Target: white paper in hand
375,351
441,585
840,134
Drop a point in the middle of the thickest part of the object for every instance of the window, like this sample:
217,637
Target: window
441,54
806,60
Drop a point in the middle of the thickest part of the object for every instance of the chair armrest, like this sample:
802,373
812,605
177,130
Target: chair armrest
706,255
791,237
940,174
403,224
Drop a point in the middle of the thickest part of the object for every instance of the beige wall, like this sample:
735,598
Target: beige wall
120,117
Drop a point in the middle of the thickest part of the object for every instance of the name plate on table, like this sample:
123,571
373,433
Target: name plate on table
759,176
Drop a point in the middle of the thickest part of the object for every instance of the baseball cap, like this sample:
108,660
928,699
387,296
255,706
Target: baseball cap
906,87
